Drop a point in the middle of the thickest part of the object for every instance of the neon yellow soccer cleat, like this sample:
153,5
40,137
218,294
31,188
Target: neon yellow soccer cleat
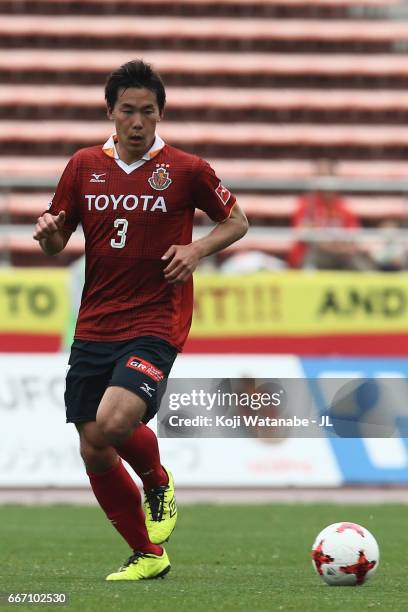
142,566
161,511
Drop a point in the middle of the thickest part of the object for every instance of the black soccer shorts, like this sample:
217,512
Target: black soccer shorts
141,365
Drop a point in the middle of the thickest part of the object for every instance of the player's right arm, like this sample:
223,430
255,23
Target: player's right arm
50,233
55,226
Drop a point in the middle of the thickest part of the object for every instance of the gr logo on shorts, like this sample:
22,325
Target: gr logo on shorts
145,367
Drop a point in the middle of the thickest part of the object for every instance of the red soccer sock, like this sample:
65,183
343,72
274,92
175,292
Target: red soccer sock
141,451
120,499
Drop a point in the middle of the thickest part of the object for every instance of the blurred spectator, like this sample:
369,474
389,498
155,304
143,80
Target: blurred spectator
326,210
391,254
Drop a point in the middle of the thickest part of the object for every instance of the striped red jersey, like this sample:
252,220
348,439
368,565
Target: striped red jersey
129,221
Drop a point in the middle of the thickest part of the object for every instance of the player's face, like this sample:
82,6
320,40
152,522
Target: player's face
135,114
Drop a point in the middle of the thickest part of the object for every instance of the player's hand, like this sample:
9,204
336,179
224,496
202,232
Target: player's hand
48,224
184,260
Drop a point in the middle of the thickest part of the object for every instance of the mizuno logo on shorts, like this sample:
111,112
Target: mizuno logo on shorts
145,387
139,364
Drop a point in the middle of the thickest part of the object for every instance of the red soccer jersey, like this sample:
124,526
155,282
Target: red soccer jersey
129,222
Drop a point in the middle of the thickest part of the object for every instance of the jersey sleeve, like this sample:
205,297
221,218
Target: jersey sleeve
210,195
65,197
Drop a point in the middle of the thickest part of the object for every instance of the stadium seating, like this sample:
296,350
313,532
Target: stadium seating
176,28
63,97
96,64
189,135
262,88
232,2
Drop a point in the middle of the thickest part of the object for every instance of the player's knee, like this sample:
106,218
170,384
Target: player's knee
119,412
115,429
97,459
88,452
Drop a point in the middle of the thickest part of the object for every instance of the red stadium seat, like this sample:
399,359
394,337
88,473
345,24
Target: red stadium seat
25,204
331,3
365,207
88,133
175,62
136,26
26,244
68,96
280,246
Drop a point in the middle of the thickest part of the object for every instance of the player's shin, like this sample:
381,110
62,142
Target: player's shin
120,499
141,451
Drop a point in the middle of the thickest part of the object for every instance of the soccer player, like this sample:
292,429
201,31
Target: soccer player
135,197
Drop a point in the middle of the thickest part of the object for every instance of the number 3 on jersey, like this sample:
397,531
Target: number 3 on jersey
120,240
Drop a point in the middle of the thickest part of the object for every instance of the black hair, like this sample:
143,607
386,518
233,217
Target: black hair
134,74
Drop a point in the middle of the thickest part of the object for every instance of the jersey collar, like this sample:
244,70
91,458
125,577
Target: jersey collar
109,148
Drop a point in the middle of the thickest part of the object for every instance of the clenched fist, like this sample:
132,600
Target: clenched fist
184,260
48,224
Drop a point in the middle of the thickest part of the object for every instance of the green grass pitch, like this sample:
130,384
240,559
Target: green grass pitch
224,558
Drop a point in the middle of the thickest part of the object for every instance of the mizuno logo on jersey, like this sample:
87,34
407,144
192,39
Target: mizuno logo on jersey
160,178
97,178
126,202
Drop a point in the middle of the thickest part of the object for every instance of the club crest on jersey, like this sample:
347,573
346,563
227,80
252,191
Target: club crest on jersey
223,193
160,178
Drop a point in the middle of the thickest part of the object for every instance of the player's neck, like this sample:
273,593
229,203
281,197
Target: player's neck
129,157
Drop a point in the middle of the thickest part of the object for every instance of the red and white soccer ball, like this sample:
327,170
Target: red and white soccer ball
345,554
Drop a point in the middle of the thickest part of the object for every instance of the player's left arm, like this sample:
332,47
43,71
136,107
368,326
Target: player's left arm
185,257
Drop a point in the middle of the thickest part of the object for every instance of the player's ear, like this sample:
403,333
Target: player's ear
109,113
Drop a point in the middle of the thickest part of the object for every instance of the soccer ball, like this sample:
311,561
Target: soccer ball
345,554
